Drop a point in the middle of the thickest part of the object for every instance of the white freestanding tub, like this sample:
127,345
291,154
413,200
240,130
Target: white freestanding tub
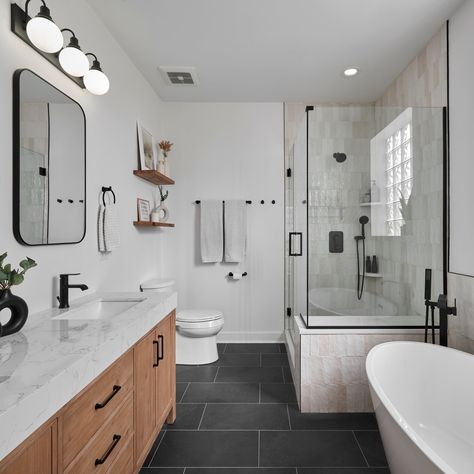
423,397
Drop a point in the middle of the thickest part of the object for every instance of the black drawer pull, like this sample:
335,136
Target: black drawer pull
115,390
157,363
161,338
116,439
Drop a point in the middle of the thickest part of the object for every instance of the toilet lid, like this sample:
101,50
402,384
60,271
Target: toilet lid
198,315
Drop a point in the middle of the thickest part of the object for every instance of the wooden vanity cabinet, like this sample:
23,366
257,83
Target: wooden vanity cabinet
114,420
155,385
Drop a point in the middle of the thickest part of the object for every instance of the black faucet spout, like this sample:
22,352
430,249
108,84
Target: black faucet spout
64,287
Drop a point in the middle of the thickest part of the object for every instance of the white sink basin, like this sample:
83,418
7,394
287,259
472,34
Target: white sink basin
100,309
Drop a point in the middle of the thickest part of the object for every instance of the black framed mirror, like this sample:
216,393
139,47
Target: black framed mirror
49,163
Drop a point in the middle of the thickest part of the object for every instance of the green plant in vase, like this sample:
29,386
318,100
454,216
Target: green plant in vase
19,309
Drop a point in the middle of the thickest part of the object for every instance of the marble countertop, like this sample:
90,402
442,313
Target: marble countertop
50,361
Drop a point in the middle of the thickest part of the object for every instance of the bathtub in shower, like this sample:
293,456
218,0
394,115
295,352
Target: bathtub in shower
423,397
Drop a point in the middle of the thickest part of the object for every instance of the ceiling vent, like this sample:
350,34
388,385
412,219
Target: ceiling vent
179,76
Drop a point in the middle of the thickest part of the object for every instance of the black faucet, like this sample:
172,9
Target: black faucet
64,286
444,311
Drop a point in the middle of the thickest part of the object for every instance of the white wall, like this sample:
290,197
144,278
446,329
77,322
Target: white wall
461,104
111,157
461,94
230,151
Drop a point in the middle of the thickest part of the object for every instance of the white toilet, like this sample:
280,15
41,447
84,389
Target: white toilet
196,329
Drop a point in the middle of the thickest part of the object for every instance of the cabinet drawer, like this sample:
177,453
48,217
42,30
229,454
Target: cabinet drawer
107,444
87,413
123,463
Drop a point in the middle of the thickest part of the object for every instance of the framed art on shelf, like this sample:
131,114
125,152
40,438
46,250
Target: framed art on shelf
146,148
143,210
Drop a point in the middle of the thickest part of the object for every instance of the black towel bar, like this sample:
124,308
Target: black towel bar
223,202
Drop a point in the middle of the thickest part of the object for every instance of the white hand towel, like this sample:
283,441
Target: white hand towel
235,233
212,245
111,228
100,229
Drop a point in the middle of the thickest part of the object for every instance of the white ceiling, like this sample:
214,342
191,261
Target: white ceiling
274,50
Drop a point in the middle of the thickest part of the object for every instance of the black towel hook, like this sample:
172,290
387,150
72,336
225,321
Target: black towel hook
106,189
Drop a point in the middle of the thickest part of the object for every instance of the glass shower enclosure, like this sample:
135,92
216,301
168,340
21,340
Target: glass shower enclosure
365,204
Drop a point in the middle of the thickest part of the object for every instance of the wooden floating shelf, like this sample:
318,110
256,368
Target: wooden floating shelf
368,204
152,224
153,176
373,275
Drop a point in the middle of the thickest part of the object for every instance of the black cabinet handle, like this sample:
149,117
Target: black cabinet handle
157,363
161,338
115,390
115,440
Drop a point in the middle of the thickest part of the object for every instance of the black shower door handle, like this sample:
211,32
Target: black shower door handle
296,251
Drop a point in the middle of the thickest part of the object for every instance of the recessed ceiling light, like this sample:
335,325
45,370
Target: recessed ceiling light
351,71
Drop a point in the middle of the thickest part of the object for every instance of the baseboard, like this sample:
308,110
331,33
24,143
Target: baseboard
231,336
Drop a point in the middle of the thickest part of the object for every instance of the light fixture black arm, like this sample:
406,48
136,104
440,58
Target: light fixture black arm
28,2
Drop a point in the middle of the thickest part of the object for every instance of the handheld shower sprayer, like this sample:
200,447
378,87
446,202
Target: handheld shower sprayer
363,220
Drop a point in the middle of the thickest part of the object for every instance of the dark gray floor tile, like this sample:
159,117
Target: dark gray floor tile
255,348
309,449
343,470
221,347
188,416
238,360
245,417
153,448
242,470
222,393
274,360
195,373
372,447
162,470
287,375
331,421
180,389
277,393
250,374
282,347
208,449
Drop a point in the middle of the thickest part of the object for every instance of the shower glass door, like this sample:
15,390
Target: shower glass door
375,222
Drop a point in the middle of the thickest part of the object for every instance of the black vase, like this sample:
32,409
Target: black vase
19,310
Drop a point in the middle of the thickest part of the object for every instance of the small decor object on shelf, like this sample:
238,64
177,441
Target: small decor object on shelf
165,146
19,309
143,207
161,213
145,143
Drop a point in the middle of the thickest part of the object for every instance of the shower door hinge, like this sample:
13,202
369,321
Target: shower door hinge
288,173
288,312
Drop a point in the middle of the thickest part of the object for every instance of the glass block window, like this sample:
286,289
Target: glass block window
398,178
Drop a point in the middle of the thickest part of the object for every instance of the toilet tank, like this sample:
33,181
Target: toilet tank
157,285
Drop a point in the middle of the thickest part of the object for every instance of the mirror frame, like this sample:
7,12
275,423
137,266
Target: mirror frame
16,159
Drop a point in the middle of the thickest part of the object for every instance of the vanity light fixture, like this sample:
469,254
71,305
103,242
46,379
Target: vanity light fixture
351,71
42,31
95,80
72,59
46,38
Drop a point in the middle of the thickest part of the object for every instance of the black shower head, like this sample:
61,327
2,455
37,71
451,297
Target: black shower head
364,220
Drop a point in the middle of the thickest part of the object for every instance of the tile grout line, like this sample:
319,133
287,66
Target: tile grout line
259,393
184,393
288,413
357,441
202,417
156,450
258,450
215,376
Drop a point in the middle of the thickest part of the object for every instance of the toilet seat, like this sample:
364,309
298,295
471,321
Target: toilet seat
194,316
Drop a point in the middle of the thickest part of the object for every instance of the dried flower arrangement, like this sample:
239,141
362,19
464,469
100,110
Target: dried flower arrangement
165,147
163,196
